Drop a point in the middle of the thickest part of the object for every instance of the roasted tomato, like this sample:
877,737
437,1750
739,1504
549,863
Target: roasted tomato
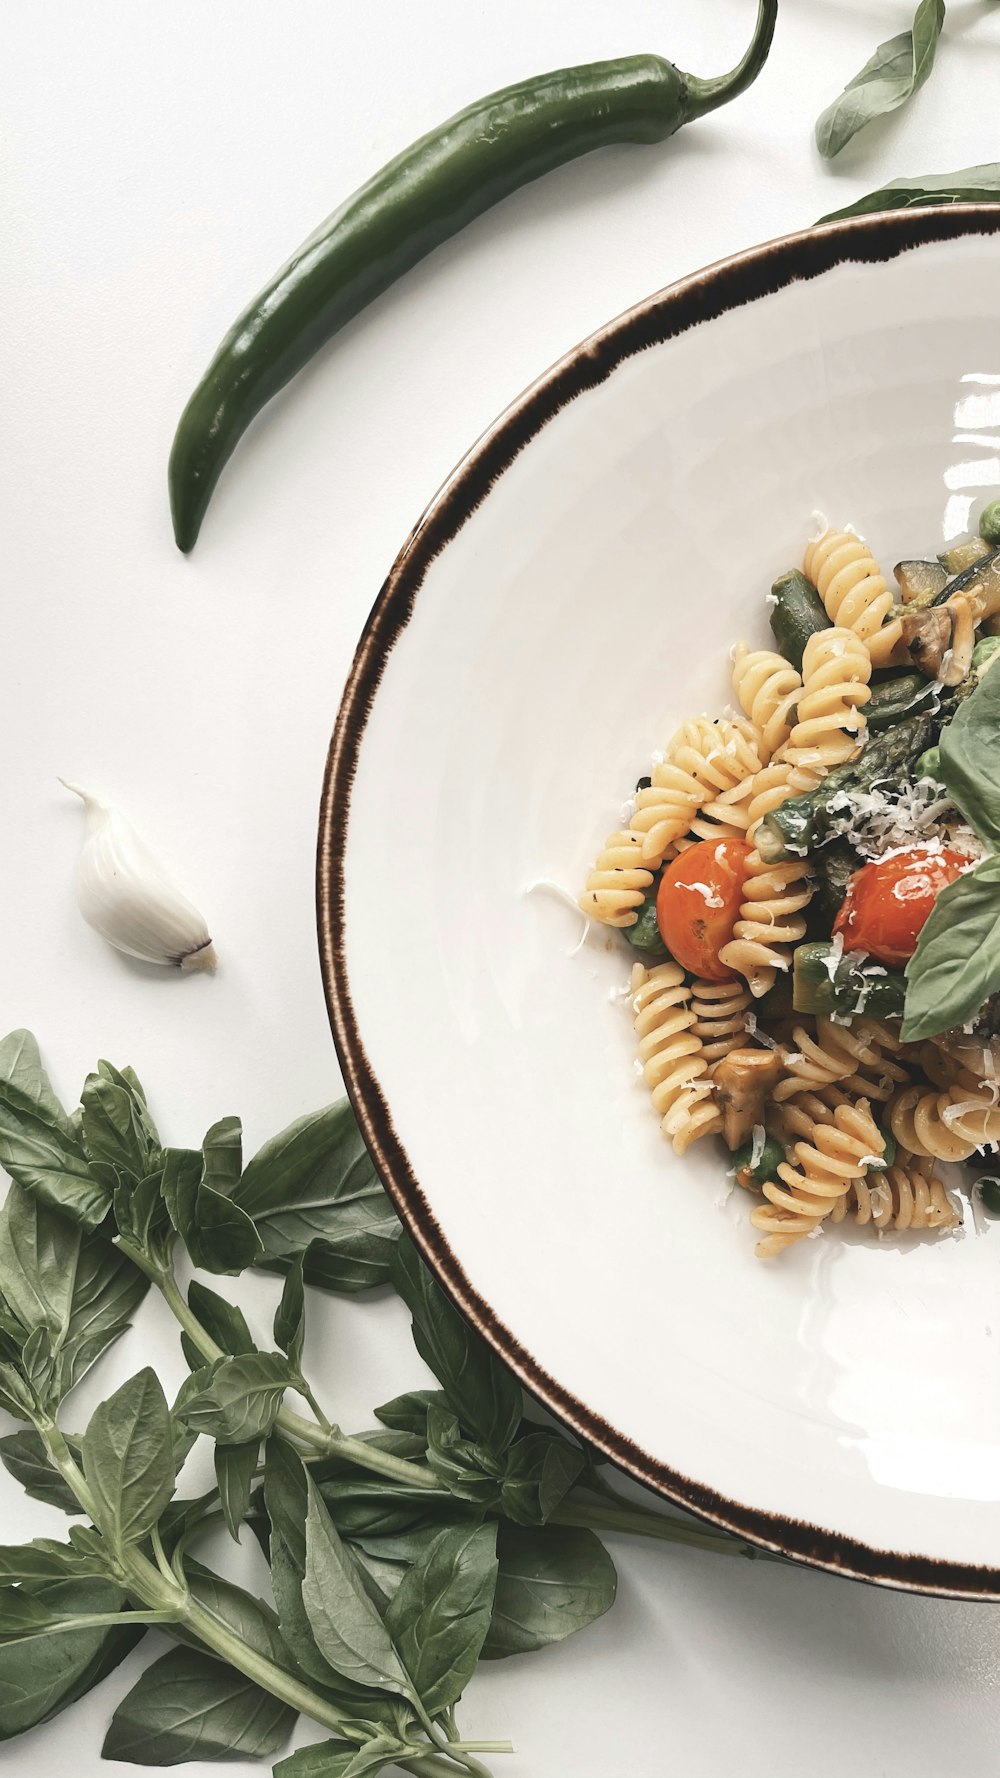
888,902
698,903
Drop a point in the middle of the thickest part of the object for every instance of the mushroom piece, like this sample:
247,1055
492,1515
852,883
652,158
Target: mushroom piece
926,638
963,640
742,1082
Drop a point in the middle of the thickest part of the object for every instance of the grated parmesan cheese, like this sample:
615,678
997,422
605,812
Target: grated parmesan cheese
757,1148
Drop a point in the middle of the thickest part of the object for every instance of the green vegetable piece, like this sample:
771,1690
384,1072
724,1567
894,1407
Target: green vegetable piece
825,982
894,73
190,1706
929,765
972,185
833,867
956,965
771,1156
128,1459
644,936
440,1614
989,524
802,823
421,199
920,582
897,698
889,1151
970,758
797,613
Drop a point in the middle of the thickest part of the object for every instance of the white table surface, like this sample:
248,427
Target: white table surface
158,163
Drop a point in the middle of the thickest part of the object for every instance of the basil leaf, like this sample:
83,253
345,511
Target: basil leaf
235,1467
24,1456
128,1458
379,1508
956,965
483,1393
541,1470
349,1633
42,1560
247,1616
188,1706
286,1501
119,1138
408,1413
39,1146
223,1152
314,1190
894,73
972,185
241,1400
223,1322
439,1616
139,1210
40,1678
970,759
290,1317
76,1286
218,1235
341,1759
550,1584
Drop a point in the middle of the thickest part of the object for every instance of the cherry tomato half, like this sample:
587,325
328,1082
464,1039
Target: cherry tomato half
888,901
698,904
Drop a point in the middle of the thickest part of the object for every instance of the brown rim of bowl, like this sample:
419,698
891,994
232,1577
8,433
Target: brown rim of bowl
730,283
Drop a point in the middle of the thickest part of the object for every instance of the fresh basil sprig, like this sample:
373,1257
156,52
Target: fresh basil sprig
460,1530
893,74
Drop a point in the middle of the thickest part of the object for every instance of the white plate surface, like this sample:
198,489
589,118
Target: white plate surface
570,596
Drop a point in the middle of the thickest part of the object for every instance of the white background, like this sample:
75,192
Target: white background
158,164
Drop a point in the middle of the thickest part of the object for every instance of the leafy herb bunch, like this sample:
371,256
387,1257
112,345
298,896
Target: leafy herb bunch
460,1530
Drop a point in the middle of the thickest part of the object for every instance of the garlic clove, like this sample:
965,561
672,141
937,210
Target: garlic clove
125,895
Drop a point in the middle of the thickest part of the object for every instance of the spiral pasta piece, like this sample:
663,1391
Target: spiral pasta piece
703,759
720,1010
770,921
617,885
829,725
837,1154
857,1056
854,591
768,688
673,1062
906,1196
947,1126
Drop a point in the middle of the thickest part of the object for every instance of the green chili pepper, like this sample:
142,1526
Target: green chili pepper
423,197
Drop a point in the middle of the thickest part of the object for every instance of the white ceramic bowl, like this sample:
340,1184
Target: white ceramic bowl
570,594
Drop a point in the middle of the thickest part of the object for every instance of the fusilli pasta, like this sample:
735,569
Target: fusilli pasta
617,885
768,688
704,760
854,591
673,1061
838,1153
948,1126
720,1010
829,725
